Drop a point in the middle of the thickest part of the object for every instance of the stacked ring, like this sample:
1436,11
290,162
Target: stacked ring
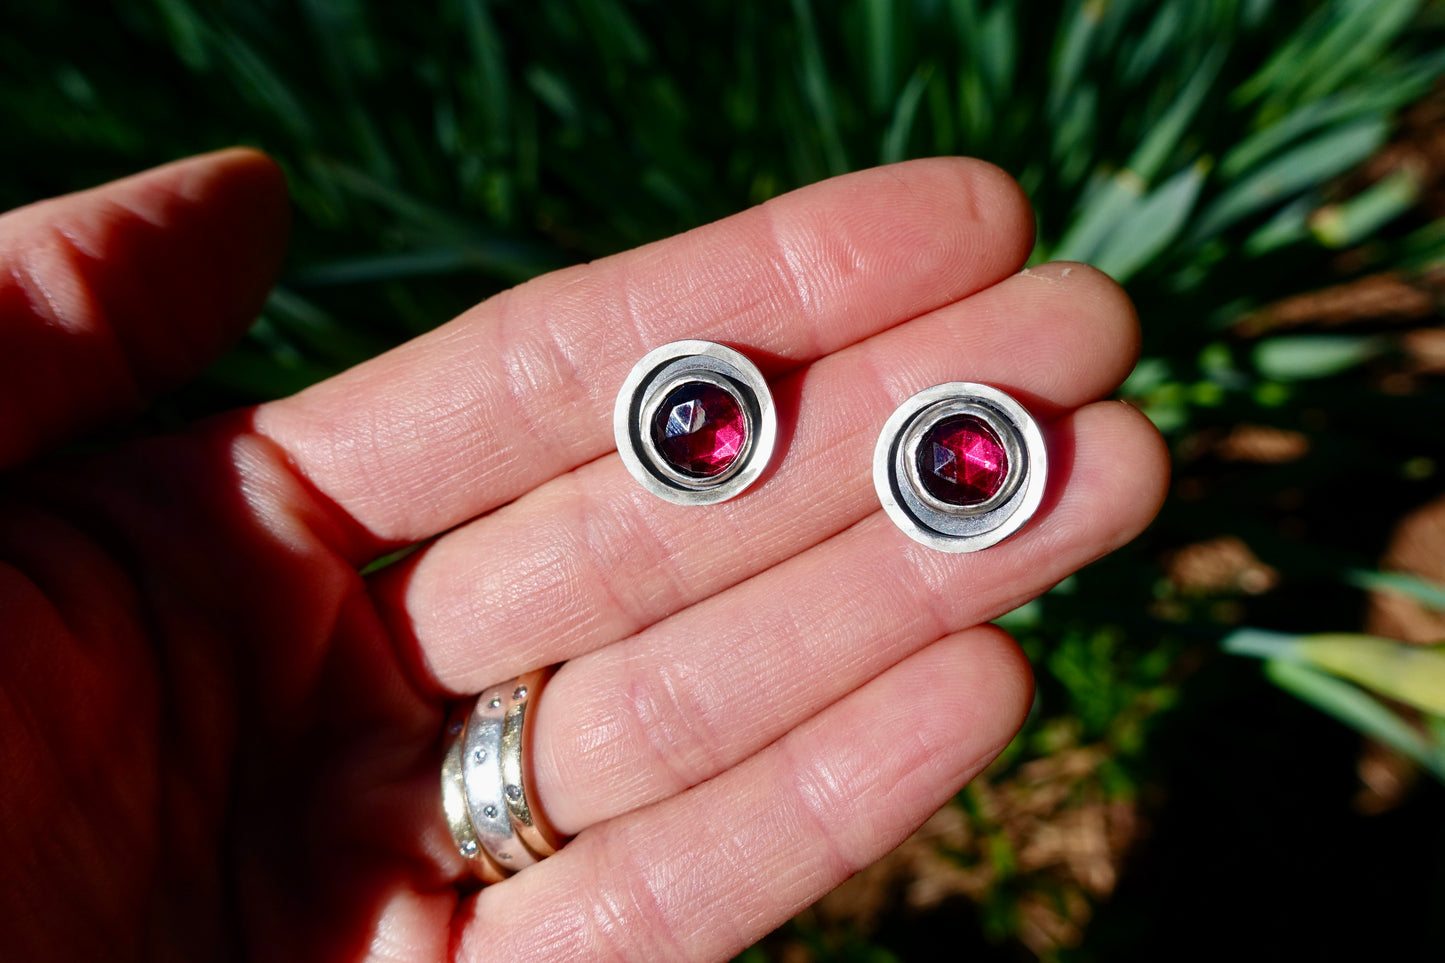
496,828
537,834
454,805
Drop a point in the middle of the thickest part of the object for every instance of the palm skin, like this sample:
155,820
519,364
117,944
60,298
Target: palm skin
222,741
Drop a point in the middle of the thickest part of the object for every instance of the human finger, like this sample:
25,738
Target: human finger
677,704
590,558
111,295
707,872
520,389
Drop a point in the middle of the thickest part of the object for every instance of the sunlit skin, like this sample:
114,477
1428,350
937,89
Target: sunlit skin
220,741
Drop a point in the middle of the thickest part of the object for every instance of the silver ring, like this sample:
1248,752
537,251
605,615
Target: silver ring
485,786
960,467
454,805
496,828
695,423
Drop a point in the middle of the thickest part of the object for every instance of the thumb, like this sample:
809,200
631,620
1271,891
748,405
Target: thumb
112,295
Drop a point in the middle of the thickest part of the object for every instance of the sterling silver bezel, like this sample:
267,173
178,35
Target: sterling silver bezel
951,528
655,394
942,411
670,366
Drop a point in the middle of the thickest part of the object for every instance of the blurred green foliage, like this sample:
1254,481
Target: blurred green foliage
1196,149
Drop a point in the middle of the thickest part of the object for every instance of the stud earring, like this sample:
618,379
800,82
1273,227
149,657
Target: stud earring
694,422
960,467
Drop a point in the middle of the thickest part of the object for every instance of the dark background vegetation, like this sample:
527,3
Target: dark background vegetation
1264,176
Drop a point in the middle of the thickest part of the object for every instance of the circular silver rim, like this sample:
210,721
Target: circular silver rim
951,528
665,368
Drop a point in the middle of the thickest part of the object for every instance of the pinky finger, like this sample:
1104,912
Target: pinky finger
710,871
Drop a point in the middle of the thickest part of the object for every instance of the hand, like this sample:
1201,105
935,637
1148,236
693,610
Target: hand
220,740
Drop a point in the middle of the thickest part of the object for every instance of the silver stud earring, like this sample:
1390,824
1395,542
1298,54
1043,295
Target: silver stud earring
694,422
960,467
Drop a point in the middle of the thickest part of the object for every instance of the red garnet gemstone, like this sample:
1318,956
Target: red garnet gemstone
961,461
699,429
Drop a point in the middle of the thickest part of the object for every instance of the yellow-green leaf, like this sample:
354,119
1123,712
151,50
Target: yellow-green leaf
1412,674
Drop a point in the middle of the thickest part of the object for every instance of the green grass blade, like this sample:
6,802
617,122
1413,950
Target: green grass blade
1413,675
975,99
1104,207
998,53
1259,146
1076,135
1255,12
262,374
1149,226
1299,169
348,50
1289,225
967,24
1385,92
1423,248
900,128
501,258
1165,134
1427,592
1357,42
1159,41
489,77
878,39
553,90
1350,222
309,327
1290,59
1075,40
669,193
1262,644
187,33
615,35
976,111
262,86
1357,709
1306,356
817,90
420,217
942,118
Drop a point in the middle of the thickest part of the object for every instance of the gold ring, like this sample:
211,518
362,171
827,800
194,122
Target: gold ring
530,824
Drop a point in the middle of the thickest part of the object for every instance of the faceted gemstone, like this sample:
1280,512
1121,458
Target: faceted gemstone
699,429
961,461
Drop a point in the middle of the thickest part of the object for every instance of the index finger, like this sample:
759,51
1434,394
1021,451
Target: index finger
520,388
